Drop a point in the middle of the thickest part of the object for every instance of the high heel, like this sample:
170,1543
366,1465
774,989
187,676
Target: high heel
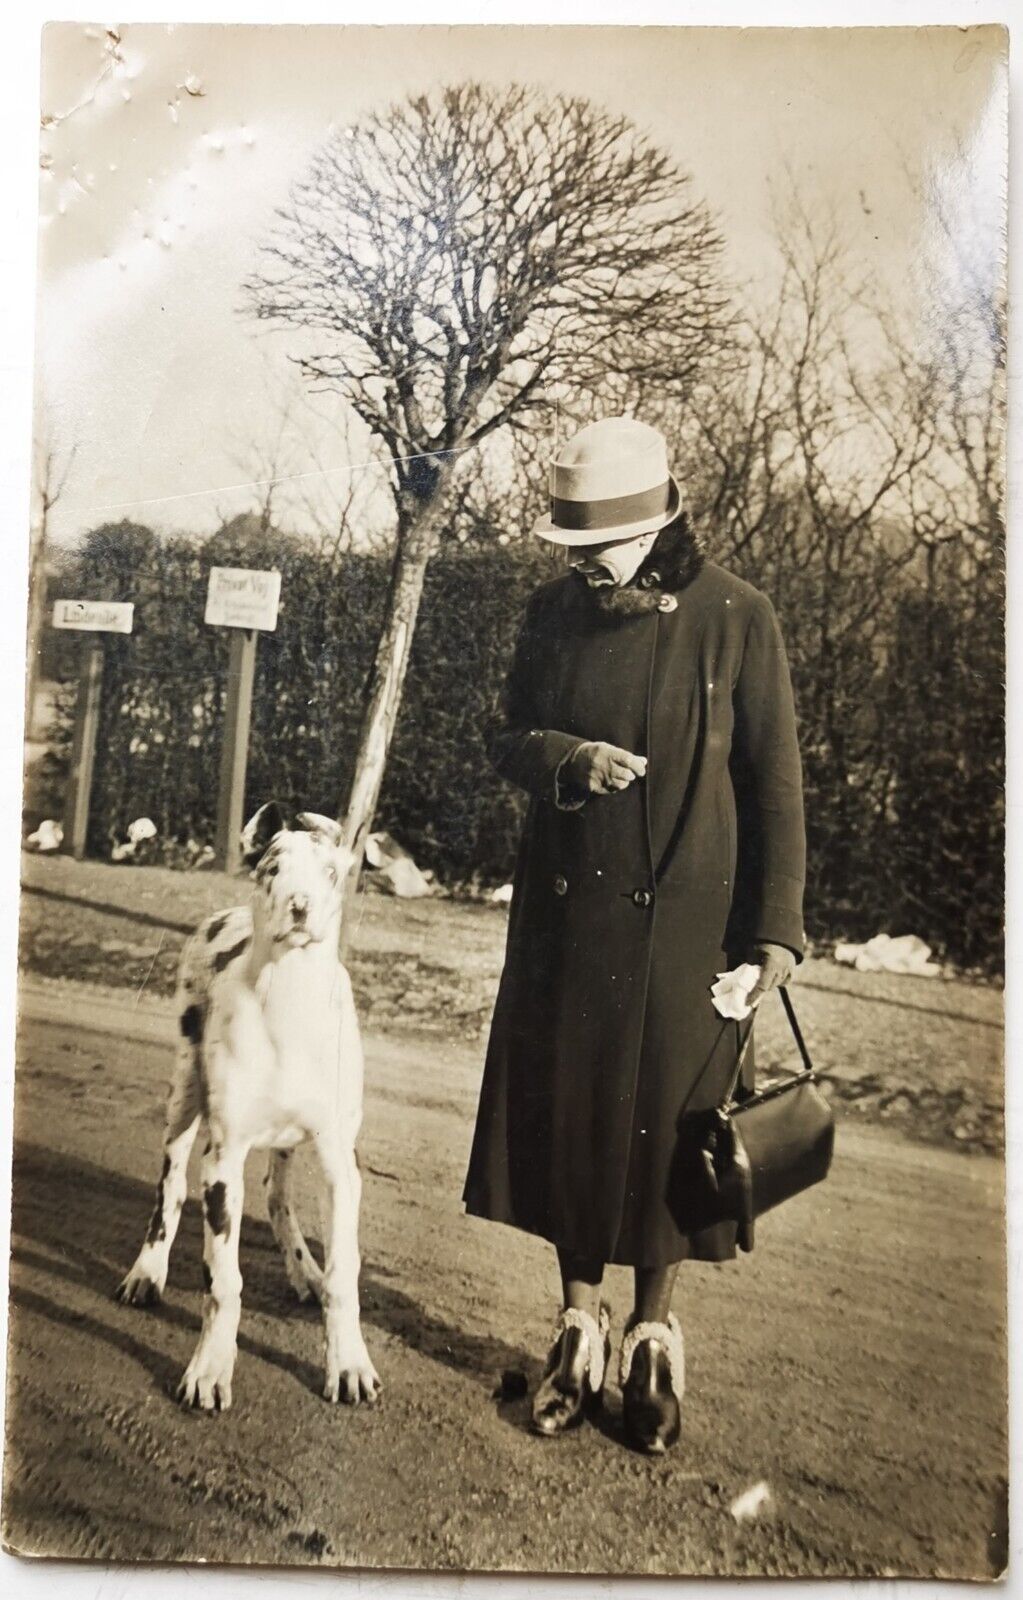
573,1376
652,1374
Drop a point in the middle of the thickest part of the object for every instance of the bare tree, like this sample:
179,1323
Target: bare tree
294,478
52,470
965,273
266,461
343,501
445,260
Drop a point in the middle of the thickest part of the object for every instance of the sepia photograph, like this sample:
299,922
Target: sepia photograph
509,1069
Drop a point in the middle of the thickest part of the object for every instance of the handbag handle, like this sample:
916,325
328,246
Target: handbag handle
786,1000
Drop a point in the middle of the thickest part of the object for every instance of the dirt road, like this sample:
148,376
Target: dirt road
854,1362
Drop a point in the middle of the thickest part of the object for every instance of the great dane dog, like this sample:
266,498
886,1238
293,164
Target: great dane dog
270,1057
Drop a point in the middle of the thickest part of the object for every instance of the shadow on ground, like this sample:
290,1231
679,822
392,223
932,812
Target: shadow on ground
77,1222
108,908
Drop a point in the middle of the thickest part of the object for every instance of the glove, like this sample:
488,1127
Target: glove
598,768
777,966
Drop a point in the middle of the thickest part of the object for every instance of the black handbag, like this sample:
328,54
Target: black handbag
764,1147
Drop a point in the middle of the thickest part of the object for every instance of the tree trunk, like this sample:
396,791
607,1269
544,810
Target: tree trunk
36,620
417,538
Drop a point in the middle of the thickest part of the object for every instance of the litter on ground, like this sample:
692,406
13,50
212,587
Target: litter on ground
393,868
756,1501
139,831
48,836
883,953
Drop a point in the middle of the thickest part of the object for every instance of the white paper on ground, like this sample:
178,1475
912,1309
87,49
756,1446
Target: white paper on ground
753,1502
905,953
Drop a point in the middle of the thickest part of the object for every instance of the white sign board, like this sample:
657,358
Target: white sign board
94,616
239,597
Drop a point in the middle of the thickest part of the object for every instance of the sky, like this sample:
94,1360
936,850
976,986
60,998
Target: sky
165,153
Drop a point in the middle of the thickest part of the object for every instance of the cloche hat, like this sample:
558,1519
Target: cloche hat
610,481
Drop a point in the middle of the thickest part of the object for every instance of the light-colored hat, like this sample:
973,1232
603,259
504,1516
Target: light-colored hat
610,481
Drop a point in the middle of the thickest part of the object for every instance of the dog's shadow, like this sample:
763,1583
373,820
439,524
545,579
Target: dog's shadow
80,1223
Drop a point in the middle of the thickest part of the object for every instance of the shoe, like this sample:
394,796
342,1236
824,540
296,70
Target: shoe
574,1373
652,1374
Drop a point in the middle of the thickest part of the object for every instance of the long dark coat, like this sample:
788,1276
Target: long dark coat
604,1037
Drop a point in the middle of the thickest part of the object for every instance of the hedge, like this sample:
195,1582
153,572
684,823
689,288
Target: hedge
901,725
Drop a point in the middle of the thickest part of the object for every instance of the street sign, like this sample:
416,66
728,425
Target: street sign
87,616
241,597
94,616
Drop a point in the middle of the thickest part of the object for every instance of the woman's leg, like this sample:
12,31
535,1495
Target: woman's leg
652,1367
574,1371
580,1283
654,1286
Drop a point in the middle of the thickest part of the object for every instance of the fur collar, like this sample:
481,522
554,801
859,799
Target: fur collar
675,560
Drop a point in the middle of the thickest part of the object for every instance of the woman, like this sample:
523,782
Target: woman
648,713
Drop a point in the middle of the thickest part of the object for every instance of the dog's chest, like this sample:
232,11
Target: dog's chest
288,1062
304,1011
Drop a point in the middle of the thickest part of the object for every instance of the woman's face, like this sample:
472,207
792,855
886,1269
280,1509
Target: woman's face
615,561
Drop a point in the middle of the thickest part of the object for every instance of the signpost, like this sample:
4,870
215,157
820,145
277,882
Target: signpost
246,601
87,616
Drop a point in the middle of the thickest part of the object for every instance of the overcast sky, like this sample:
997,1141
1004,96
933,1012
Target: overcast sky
161,170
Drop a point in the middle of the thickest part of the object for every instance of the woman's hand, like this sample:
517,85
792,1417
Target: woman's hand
600,768
777,966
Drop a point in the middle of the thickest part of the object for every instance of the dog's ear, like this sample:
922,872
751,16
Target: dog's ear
327,829
259,830
313,822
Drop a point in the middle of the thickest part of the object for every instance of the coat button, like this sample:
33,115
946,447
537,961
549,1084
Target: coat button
643,897
560,885
667,602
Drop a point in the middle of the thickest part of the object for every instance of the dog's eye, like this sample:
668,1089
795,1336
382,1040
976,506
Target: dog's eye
331,874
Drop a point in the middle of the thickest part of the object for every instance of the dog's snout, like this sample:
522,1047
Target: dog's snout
299,906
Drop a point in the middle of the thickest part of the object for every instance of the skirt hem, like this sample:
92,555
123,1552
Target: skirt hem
691,1251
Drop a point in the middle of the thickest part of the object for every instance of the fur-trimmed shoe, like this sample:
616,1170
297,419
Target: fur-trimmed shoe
573,1376
652,1374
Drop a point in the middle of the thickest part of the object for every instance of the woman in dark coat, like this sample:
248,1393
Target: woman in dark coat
648,713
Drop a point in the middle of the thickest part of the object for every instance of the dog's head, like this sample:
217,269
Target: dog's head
300,871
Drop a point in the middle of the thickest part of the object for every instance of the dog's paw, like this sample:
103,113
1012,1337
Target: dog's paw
351,1377
139,1288
206,1384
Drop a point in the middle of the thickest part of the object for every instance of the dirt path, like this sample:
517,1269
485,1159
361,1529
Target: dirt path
918,1054
855,1362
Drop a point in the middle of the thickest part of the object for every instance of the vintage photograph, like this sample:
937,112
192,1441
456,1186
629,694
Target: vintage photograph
510,1052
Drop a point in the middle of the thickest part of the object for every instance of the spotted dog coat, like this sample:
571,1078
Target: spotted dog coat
269,1056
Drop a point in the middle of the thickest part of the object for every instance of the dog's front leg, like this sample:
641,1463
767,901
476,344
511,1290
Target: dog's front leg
147,1278
350,1374
207,1379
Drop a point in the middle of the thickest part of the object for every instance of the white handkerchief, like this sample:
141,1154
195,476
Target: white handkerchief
731,991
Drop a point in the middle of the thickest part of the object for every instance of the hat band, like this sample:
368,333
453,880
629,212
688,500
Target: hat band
580,516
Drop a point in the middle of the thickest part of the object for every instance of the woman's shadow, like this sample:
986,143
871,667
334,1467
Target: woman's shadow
79,1223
